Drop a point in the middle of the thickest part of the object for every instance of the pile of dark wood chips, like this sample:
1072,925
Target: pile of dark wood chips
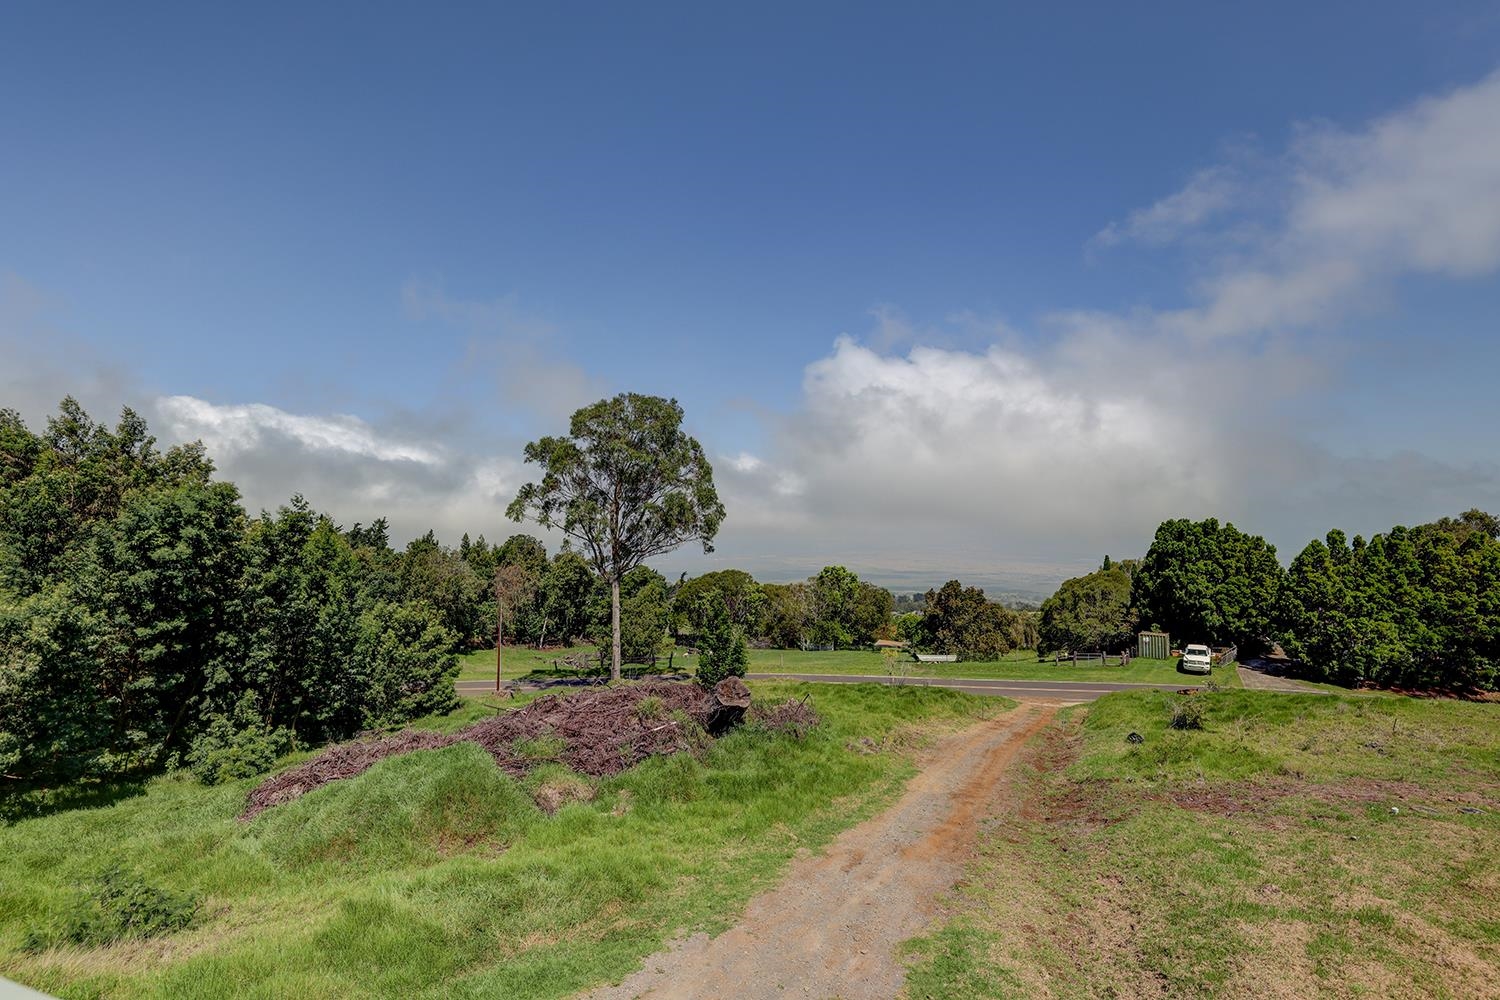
595,732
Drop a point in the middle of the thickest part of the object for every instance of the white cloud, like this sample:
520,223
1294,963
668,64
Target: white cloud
347,467
1418,190
230,430
1207,194
1341,215
743,462
933,456
985,445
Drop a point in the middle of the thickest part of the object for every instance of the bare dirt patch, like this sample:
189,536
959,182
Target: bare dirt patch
1262,797
832,927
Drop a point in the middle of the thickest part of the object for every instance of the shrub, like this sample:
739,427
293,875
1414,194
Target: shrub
119,906
1187,713
238,745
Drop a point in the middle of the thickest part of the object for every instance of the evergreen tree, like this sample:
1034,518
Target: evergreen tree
721,646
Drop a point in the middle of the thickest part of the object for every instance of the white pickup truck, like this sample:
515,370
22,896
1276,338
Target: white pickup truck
1197,659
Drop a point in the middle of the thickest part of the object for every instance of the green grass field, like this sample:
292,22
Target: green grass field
1018,665
434,874
520,661
1295,846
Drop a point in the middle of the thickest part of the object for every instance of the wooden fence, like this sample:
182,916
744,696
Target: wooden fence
1122,658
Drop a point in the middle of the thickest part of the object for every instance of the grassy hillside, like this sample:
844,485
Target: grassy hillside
435,874
1294,846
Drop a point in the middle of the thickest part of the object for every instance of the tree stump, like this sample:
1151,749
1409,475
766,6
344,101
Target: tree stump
731,698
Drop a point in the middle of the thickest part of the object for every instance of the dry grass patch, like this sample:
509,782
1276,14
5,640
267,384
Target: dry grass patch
1212,867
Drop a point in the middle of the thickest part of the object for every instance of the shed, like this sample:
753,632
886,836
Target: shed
1154,645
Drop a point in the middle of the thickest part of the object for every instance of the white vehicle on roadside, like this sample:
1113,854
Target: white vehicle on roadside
1197,659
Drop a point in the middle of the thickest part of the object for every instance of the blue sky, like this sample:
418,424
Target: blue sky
1184,261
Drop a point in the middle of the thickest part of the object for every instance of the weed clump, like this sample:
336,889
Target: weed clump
540,749
119,905
791,717
1187,713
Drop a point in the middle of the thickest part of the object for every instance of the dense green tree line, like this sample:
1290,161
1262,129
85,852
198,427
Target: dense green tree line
1415,607
834,609
146,620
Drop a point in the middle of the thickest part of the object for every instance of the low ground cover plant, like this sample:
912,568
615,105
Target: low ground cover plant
116,905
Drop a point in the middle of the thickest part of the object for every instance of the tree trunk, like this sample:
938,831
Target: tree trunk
614,618
499,644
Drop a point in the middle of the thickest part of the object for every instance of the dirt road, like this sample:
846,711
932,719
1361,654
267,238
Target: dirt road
831,928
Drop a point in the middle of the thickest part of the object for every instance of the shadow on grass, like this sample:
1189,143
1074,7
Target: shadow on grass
565,677
32,803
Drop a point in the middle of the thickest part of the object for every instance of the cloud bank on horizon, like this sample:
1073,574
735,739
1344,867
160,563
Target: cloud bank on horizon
1023,456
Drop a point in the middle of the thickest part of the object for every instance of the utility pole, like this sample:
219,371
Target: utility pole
499,631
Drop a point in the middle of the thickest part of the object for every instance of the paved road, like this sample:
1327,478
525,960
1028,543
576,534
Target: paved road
1031,690
1267,675
1063,691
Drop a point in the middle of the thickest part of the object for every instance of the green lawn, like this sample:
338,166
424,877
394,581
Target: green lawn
479,665
434,874
1018,665
1297,845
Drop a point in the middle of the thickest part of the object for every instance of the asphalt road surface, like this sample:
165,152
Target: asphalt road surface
1066,691
1036,690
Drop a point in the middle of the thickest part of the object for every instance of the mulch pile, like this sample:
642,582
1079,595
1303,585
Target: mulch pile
601,732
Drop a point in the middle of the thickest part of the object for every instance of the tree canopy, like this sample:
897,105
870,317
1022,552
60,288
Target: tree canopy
145,619
627,483
1088,613
962,621
744,600
1417,607
1203,581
